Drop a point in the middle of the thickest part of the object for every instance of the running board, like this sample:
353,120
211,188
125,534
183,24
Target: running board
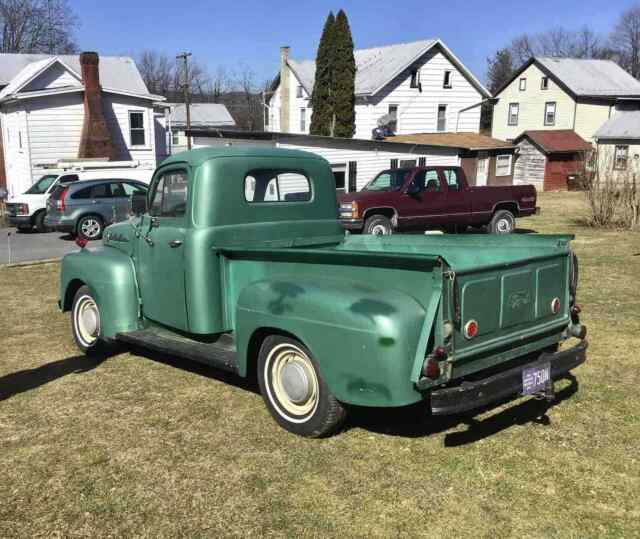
220,353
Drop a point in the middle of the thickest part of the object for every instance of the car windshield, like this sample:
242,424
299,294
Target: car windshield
41,186
388,180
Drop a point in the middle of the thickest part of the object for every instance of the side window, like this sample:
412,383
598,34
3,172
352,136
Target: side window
101,190
451,177
268,185
170,196
69,178
117,191
431,181
82,193
131,188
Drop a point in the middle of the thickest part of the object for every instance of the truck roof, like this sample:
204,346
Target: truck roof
200,155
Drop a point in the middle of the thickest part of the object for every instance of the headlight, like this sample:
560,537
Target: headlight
349,210
23,209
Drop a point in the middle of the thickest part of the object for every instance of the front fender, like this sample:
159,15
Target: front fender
364,339
110,274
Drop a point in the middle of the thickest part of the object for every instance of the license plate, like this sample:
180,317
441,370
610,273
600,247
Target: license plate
535,378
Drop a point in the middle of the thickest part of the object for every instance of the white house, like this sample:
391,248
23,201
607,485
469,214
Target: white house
43,111
202,115
422,84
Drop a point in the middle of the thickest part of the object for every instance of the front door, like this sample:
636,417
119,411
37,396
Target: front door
422,206
482,169
161,250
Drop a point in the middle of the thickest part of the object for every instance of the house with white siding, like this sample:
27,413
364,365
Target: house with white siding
42,113
420,86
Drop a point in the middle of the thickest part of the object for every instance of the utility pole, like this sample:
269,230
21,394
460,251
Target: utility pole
184,56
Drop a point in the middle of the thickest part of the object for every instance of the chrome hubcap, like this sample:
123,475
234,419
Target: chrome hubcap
379,230
504,226
87,320
90,228
294,382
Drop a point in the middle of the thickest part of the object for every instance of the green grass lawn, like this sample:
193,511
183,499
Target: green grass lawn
150,446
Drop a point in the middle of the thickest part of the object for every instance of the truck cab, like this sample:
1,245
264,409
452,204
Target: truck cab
238,260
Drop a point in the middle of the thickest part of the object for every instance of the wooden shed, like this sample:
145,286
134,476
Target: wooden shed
548,158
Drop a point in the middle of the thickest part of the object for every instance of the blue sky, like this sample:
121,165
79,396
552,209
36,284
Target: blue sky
228,33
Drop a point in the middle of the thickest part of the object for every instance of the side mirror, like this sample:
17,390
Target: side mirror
413,189
138,203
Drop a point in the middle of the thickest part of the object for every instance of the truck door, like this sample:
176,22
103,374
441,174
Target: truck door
458,197
424,202
161,250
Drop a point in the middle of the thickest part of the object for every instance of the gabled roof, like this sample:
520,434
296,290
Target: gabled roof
202,115
556,141
584,77
624,124
465,140
378,66
118,74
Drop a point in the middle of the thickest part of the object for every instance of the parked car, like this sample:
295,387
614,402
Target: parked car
241,263
410,199
85,208
28,209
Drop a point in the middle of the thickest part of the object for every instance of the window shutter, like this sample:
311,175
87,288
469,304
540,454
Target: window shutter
353,171
422,161
394,163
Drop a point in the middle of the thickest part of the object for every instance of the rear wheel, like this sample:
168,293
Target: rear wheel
378,225
90,227
294,391
502,222
85,321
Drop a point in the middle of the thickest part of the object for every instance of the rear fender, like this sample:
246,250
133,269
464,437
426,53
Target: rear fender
364,339
110,274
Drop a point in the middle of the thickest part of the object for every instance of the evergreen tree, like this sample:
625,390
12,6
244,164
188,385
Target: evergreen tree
344,78
499,69
321,98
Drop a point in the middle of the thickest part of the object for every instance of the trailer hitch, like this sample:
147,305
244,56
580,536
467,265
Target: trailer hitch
548,393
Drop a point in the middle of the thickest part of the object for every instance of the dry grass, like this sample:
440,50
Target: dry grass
147,446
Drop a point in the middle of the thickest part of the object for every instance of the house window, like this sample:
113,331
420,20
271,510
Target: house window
550,113
523,84
415,78
442,118
503,165
446,81
303,120
299,91
544,83
514,111
393,115
621,157
175,138
136,128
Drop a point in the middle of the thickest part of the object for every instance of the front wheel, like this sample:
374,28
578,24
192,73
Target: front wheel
39,222
85,321
502,222
378,225
294,391
90,227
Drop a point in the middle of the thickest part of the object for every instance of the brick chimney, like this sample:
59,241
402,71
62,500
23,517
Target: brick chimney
285,94
96,138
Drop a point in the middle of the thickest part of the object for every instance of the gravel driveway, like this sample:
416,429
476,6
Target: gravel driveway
28,246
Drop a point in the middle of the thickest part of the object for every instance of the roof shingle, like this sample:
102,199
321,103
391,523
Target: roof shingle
556,141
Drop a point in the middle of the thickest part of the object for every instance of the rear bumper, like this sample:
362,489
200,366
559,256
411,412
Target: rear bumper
470,395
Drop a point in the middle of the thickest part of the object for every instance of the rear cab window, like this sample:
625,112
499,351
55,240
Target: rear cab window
452,179
427,180
275,186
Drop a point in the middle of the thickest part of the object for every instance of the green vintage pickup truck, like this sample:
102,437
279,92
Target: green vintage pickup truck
238,260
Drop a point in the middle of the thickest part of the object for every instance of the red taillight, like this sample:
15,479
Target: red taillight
431,367
471,329
576,309
555,306
61,199
81,242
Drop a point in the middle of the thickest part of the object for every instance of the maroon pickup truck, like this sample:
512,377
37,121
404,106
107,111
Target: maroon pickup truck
408,199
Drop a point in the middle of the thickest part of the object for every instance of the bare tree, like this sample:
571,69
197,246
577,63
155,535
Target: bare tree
249,111
37,26
157,70
625,40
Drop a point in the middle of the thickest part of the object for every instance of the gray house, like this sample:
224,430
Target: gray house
203,116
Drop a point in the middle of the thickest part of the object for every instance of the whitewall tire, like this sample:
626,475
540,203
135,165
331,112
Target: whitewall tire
85,321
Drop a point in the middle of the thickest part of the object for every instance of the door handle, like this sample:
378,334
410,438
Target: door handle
175,243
